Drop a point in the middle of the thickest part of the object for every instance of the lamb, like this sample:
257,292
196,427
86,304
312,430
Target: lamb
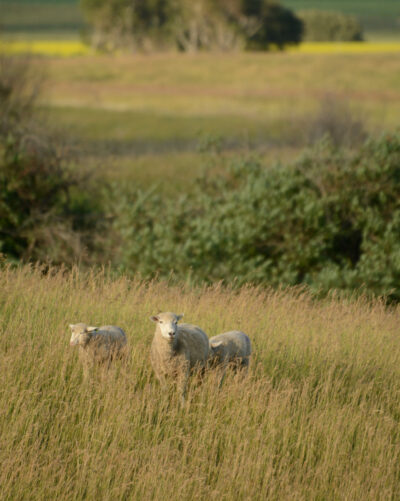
230,348
177,350
98,345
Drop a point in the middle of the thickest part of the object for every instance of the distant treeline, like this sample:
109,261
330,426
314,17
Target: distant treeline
210,25
179,24
191,26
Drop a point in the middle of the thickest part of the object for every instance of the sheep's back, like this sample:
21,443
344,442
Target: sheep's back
234,343
112,334
195,341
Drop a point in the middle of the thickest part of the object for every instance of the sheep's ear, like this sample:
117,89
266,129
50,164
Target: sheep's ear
154,318
92,329
215,344
178,317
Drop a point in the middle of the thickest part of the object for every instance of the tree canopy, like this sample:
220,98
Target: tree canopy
191,26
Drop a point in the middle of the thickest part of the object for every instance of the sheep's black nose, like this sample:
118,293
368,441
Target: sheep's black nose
171,334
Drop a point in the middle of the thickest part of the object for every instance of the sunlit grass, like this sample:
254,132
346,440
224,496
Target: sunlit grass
255,86
317,418
160,106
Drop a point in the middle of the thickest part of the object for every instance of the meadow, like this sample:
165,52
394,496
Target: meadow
148,117
318,415
316,418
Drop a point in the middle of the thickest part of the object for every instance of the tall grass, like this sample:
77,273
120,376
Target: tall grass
317,418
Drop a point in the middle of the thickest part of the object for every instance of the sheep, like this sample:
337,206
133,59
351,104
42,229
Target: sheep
98,344
177,350
231,347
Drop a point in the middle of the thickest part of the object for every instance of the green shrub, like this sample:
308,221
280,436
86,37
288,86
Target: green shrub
330,220
46,212
324,26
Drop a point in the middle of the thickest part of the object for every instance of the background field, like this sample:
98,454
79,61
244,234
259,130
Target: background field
317,418
147,116
41,19
144,118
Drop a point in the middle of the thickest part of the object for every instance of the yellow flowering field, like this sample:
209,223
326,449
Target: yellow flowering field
65,48
62,48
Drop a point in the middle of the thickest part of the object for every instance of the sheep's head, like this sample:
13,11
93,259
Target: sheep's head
167,323
216,350
81,334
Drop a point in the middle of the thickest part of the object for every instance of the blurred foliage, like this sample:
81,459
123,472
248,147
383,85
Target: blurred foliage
45,207
122,23
277,26
324,26
190,26
336,119
330,220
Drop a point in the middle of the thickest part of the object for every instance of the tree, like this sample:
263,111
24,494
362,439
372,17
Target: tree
137,24
268,23
191,26
206,25
320,26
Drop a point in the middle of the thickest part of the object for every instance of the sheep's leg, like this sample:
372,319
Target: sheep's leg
223,375
183,384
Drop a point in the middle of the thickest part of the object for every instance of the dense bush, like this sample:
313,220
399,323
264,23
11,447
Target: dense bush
45,211
191,26
324,26
330,220
277,26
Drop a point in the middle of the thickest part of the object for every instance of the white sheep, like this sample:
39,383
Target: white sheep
177,350
98,345
230,348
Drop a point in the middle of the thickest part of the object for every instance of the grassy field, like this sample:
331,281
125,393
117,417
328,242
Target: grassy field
317,418
260,87
157,109
146,118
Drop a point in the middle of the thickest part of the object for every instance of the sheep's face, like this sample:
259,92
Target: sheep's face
168,324
80,334
216,350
